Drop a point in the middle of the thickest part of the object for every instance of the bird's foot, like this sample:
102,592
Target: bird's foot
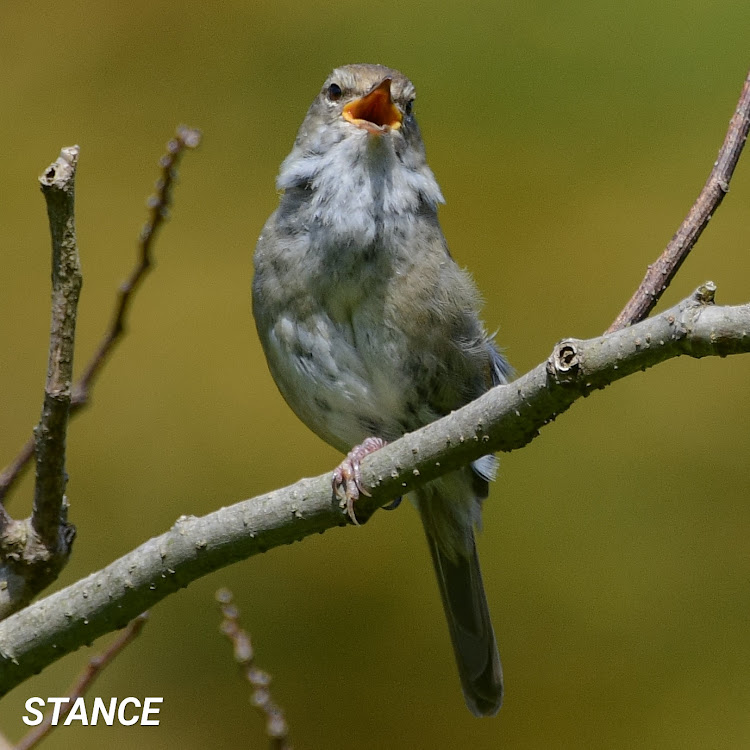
347,478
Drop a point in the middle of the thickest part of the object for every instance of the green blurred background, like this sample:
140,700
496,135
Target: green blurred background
569,139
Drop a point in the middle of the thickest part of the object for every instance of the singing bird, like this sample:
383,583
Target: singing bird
371,329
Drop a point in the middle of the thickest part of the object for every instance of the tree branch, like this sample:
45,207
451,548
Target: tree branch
505,418
34,551
660,273
48,516
158,204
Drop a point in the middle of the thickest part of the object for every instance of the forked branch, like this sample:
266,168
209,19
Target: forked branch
158,205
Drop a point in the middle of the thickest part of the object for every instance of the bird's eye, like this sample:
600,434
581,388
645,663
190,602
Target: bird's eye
334,92
409,106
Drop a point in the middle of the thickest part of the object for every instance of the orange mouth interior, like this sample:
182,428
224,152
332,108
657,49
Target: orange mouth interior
376,111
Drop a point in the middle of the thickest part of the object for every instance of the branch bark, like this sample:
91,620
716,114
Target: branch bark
34,551
48,516
504,419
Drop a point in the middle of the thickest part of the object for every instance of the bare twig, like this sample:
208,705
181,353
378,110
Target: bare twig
276,726
158,212
86,679
49,514
33,551
185,138
505,418
661,272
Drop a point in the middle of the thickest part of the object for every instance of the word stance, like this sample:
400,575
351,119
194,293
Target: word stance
126,711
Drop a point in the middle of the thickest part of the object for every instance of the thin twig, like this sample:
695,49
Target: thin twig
158,212
276,726
86,679
48,516
185,138
661,272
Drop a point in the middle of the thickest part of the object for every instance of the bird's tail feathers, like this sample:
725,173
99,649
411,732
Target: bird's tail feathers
449,527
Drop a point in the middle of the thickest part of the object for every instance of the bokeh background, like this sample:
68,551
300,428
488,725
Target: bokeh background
569,139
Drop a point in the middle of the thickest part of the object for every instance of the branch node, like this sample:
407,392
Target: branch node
565,362
59,174
705,294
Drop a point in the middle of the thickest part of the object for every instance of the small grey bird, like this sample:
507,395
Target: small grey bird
371,330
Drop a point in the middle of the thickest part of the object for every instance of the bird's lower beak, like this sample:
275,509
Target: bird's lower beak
375,112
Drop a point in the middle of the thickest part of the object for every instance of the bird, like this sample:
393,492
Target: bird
371,330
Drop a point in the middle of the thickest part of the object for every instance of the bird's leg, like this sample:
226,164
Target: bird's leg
347,477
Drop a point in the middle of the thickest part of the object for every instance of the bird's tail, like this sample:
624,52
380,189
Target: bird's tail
449,527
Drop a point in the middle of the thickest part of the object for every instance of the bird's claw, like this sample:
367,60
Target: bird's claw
347,477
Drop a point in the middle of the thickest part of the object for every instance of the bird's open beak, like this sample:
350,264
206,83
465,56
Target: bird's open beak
375,112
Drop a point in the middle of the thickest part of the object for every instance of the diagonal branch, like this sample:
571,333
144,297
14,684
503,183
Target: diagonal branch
506,418
158,204
660,273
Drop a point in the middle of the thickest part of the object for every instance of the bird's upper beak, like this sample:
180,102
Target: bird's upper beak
375,112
